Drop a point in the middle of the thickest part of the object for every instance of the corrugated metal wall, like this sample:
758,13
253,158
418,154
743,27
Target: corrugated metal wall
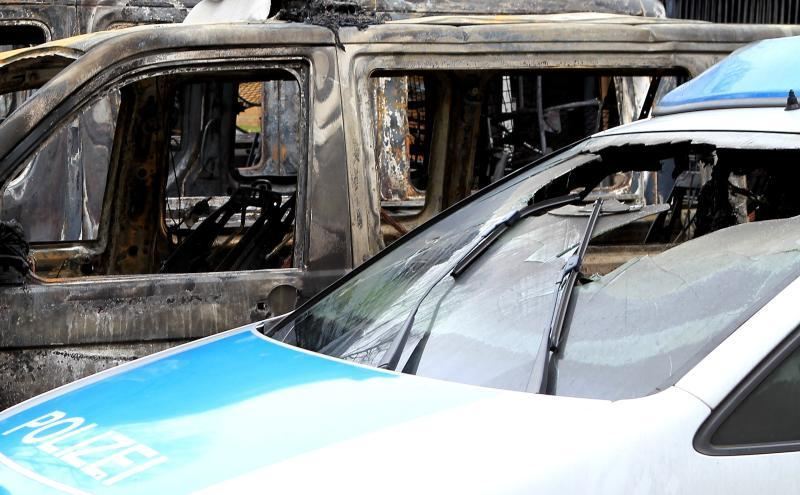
736,11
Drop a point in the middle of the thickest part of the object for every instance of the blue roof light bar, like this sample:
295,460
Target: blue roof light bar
758,75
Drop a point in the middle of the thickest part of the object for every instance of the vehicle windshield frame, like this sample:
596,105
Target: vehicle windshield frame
589,145
545,162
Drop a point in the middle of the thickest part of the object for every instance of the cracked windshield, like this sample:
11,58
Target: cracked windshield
671,227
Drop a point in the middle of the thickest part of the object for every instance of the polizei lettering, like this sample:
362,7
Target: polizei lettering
106,456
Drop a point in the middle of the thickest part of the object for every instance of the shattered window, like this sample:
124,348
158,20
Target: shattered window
58,195
640,324
669,273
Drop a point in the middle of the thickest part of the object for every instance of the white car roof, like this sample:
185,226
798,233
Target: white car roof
768,119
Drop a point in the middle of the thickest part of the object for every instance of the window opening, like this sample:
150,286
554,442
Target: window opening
236,151
523,117
194,184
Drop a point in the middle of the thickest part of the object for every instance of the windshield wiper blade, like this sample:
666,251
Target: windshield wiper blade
391,359
551,343
506,223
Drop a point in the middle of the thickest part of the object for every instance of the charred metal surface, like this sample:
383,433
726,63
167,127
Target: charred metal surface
129,309
31,22
138,308
99,15
463,140
136,243
434,7
331,14
37,370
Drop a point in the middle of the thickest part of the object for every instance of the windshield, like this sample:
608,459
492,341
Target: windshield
677,262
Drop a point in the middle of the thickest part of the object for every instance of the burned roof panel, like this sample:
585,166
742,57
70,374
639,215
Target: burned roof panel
436,7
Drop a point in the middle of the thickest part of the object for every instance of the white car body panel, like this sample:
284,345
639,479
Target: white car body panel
727,365
731,120
506,453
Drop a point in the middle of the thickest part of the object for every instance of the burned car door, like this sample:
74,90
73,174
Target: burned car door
189,210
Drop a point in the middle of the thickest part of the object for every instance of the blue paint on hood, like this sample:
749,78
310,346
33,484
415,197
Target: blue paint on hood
760,74
209,412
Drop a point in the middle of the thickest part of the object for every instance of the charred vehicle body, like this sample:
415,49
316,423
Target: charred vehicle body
33,22
29,23
232,170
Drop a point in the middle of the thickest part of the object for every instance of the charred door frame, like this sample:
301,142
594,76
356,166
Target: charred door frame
185,63
68,318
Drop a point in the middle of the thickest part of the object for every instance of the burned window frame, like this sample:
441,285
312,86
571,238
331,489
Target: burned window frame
296,73
545,172
446,72
233,61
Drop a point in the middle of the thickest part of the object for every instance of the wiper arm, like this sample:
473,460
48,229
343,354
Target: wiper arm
551,343
506,223
391,359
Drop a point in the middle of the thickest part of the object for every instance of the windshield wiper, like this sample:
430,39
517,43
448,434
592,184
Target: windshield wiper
551,343
506,223
391,359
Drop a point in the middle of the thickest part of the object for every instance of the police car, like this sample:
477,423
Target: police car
620,317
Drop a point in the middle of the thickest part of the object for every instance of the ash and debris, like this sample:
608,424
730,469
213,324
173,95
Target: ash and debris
331,14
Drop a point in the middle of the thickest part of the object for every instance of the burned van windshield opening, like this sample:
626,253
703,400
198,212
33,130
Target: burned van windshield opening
439,136
688,212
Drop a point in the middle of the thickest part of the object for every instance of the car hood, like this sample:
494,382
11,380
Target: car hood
238,413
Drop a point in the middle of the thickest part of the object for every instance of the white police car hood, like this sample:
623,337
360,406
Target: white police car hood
239,413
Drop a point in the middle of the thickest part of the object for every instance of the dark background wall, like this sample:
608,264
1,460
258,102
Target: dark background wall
736,11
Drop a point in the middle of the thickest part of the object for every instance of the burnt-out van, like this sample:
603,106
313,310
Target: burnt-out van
168,182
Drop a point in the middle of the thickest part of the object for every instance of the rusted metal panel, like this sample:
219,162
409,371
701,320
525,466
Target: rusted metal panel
392,151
